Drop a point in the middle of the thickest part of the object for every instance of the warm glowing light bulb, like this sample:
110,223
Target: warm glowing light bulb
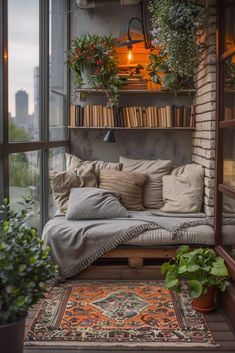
130,54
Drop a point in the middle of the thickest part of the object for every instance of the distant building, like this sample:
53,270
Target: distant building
22,109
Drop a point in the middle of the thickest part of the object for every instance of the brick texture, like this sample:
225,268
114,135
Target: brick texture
203,142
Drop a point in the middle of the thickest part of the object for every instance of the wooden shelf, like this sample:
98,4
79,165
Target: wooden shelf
142,91
227,123
133,128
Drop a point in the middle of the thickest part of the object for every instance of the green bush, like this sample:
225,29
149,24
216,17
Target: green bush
201,268
25,264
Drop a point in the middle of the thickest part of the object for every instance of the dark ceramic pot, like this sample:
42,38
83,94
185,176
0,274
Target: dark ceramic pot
206,302
12,337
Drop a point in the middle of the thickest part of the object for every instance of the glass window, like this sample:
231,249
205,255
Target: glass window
1,78
58,70
24,180
23,28
229,157
56,163
229,31
228,224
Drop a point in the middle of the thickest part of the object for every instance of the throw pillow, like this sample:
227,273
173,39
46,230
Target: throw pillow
183,189
128,185
155,170
94,203
73,161
62,182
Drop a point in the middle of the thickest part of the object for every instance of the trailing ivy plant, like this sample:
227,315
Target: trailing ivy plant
96,55
161,74
25,263
177,29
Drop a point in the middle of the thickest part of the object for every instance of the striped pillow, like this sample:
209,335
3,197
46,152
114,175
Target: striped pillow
128,185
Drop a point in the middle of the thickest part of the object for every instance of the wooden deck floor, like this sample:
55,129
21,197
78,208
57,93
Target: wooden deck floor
218,324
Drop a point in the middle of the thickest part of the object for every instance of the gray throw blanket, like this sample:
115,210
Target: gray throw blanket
76,244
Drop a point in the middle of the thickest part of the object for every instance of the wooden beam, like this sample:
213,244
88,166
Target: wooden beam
145,253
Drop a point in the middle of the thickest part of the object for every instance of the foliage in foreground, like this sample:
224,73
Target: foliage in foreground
25,263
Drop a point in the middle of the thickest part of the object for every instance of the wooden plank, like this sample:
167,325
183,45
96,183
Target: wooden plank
224,335
120,272
136,262
160,253
219,326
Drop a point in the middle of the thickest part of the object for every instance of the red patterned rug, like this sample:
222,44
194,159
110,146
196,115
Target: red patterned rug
136,313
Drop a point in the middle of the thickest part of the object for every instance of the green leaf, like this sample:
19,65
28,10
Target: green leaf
196,288
219,268
20,301
171,284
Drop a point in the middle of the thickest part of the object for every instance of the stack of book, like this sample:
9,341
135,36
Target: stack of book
131,77
132,117
229,113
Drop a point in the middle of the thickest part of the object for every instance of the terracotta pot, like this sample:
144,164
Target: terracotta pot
12,337
206,302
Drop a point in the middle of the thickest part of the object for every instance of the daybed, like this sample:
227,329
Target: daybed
90,229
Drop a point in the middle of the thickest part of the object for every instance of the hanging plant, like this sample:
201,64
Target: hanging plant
177,29
96,57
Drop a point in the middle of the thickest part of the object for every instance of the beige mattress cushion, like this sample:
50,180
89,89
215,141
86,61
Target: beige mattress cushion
155,170
128,185
73,161
62,182
202,234
183,189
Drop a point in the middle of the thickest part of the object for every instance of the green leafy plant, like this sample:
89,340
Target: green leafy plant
201,268
25,263
177,29
161,74
97,53
229,72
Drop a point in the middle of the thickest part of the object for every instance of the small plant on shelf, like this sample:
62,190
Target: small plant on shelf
203,271
177,30
95,56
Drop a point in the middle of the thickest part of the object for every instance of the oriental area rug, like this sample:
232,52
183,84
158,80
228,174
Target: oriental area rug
138,313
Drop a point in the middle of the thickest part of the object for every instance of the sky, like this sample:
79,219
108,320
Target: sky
23,51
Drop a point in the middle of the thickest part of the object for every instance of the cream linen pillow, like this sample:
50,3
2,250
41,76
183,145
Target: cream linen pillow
62,182
73,161
155,170
128,185
183,189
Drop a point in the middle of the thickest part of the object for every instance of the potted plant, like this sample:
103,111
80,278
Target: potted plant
25,267
96,56
177,32
204,272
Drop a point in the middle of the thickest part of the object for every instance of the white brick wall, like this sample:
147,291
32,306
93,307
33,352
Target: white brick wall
203,142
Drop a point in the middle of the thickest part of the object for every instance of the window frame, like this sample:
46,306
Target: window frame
221,189
44,144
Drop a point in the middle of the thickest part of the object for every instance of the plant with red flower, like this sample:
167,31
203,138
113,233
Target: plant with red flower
97,54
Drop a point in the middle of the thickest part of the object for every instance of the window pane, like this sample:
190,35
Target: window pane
1,180
24,180
1,78
23,19
229,88
56,163
228,224
229,31
229,158
58,70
